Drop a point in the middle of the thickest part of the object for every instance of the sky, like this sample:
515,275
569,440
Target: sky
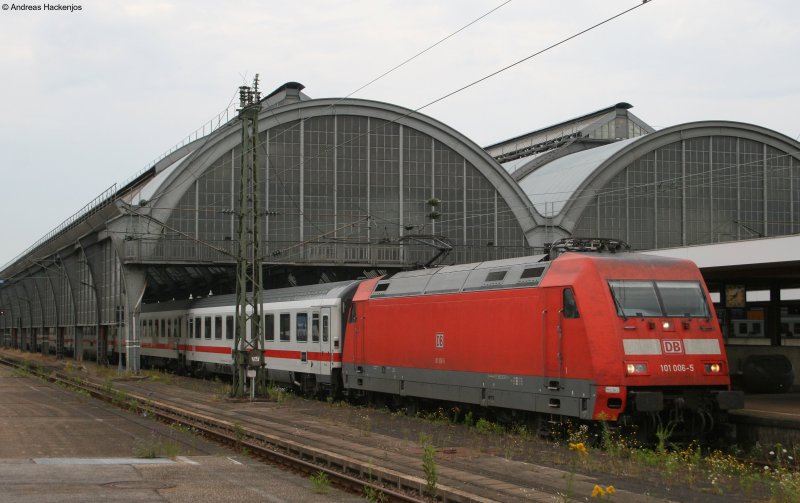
90,97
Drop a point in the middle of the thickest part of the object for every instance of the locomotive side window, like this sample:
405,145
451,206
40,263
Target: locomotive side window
218,327
286,325
269,327
302,327
353,314
315,327
229,327
570,306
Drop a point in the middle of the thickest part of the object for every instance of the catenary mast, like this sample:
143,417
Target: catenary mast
249,342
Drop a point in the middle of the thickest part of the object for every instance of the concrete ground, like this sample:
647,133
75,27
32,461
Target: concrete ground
59,446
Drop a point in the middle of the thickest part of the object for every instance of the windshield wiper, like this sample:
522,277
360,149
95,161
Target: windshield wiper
619,305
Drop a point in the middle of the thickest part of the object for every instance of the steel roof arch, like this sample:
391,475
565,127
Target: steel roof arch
205,151
621,159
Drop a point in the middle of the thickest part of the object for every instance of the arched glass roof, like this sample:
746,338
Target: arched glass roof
550,187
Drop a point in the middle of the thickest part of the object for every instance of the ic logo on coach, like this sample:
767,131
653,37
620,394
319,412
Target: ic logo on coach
672,347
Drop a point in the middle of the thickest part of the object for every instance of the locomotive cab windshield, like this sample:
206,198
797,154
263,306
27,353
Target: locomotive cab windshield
657,299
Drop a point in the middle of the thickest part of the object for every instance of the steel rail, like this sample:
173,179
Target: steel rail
344,472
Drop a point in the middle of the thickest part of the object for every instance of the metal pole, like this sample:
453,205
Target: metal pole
248,351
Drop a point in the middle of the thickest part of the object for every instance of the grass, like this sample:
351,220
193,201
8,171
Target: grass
321,483
429,464
155,447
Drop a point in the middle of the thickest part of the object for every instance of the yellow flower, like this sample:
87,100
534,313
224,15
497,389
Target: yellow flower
610,490
579,447
598,491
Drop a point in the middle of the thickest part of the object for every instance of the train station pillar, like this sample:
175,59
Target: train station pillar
773,325
135,280
79,344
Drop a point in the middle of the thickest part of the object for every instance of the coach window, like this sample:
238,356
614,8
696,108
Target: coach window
163,332
570,306
207,327
286,326
324,329
229,327
302,327
315,327
197,327
218,327
269,327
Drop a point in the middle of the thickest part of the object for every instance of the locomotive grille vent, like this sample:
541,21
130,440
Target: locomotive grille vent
531,274
496,276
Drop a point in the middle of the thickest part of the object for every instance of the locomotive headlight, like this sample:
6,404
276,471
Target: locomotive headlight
636,368
666,325
713,368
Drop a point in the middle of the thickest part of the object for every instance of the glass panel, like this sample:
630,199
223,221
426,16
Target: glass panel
496,276
286,325
269,327
533,272
570,306
197,327
218,327
315,327
229,327
324,329
635,298
302,327
683,298
207,327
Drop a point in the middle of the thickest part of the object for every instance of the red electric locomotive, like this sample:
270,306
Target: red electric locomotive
624,337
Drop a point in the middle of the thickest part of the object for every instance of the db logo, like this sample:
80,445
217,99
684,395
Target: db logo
672,347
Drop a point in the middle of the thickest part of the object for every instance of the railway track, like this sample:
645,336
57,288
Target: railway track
310,437
342,471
